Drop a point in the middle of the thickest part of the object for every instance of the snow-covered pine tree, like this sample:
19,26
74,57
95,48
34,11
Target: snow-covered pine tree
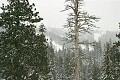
23,54
97,57
52,61
115,58
107,68
118,35
68,64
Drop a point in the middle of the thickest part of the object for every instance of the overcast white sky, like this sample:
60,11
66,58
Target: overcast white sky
107,10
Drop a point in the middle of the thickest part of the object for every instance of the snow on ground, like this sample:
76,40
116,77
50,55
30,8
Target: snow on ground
56,46
84,47
96,36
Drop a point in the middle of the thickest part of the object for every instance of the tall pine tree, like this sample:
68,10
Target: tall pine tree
116,57
52,61
107,70
23,54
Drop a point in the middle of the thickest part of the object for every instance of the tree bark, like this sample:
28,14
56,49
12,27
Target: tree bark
76,41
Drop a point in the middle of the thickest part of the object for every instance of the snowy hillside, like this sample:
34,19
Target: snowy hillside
57,35
56,45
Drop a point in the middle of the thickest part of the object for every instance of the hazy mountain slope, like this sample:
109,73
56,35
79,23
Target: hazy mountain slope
108,36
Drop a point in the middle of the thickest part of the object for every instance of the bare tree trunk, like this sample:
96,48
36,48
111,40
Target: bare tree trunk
76,41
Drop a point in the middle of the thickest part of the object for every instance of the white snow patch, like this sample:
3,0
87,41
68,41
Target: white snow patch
84,47
91,48
48,38
56,46
96,36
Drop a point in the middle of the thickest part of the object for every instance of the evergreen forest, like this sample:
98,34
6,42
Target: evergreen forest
31,51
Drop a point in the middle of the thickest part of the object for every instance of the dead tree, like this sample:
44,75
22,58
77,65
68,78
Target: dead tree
78,22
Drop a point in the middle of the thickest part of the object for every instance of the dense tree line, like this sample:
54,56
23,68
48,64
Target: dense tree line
96,64
26,55
111,63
